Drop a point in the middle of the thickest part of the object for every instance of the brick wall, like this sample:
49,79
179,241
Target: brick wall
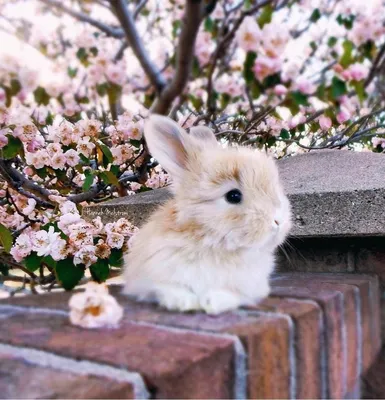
313,337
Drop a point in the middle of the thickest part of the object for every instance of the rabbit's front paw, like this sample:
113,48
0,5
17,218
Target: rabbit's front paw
218,301
178,299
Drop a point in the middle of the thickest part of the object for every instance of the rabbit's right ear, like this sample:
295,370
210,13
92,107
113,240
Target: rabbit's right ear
167,142
204,134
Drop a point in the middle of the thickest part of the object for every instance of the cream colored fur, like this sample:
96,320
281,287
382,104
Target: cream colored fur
199,252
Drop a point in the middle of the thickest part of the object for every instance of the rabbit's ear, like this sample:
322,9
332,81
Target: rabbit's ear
203,133
167,142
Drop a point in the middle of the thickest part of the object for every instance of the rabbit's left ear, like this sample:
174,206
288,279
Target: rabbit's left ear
203,133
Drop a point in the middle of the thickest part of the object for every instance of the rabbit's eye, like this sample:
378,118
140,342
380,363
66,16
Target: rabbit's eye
234,196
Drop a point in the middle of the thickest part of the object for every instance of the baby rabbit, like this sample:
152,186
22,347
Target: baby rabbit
211,247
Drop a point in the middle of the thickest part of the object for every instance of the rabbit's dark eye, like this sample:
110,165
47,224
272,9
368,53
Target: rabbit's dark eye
234,196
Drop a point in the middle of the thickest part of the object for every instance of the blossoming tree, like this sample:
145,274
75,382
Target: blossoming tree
282,75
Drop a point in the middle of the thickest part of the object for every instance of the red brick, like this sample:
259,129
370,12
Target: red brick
373,382
306,317
21,379
266,338
332,304
368,286
174,364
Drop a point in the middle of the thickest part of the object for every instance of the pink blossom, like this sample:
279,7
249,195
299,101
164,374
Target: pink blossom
280,90
296,120
266,66
68,207
343,116
358,71
86,255
60,251
3,96
72,157
116,73
3,138
38,159
97,226
66,220
305,86
325,122
81,234
58,161
33,146
85,147
135,186
54,148
22,247
28,171
115,240
376,141
43,242
95,308
274,39
249,34
30,208
124,227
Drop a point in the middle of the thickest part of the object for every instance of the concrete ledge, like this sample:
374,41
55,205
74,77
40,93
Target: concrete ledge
333,193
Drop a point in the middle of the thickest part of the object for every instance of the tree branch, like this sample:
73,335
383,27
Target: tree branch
128,24
194,13
20,183
108,30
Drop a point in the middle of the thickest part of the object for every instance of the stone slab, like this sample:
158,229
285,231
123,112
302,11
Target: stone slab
333,193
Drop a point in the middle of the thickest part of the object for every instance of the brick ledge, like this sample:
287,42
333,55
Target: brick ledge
200,356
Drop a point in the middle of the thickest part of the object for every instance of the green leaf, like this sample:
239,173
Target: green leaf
49,261
338,88
102,89
360,90
135,143
84,159
109,178
115,169
13,148
299,98
209,24
266,15
116,258
41,96
284,134
88,181
94,51
72,72
106,151
315,16
272,80
42,172
346,21
4,269
248,73
33,262
332,41
347,58
81,54
68,274
100,270
6,238
196,68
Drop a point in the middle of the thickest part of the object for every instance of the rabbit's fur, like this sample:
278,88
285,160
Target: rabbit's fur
198,251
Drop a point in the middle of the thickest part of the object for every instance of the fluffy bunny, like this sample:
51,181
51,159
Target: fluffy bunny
211,247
